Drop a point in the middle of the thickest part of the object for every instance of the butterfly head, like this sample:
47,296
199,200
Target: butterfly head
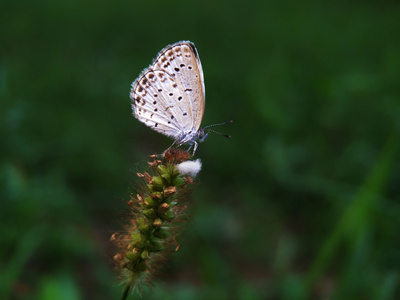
202,135
192,138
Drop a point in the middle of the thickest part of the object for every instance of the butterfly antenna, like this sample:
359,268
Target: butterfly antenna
225,135
229,122
210,130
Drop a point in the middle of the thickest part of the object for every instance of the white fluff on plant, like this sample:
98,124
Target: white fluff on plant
190,168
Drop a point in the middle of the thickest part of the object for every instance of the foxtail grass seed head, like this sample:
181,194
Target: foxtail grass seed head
155,212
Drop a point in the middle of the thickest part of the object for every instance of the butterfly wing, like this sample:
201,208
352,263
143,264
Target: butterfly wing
182,61
151,104
169,95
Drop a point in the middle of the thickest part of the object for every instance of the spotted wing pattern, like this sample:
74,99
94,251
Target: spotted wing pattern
169,95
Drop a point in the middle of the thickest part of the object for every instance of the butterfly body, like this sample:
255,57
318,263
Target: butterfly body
169,96
191,138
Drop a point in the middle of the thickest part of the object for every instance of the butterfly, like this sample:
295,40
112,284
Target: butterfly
169,96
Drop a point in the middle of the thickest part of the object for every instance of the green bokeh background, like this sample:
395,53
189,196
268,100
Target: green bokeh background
302,202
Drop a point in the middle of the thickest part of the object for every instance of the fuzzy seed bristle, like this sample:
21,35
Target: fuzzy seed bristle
147,176
114,236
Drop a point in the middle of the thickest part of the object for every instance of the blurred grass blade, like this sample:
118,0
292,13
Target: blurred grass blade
26,248
354,222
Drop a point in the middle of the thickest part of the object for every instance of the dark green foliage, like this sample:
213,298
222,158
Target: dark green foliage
303,201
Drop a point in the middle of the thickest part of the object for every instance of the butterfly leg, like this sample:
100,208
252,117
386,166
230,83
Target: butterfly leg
180,142
194,147
190,147
177,143
173,144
